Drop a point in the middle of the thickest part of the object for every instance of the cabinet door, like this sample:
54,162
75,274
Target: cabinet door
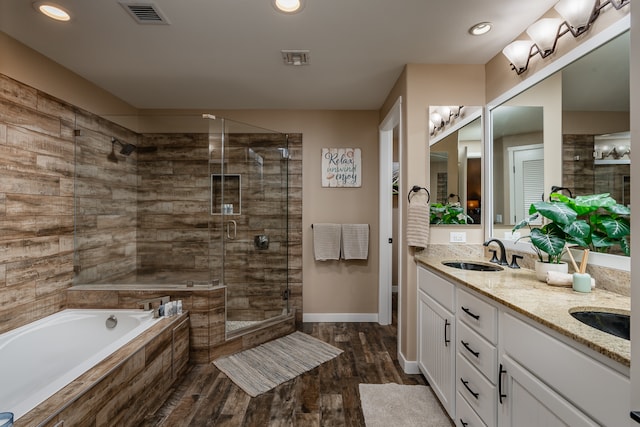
436,349
527,402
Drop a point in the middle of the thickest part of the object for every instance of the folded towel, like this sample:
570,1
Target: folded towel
555,278
355,241
418,221
326,241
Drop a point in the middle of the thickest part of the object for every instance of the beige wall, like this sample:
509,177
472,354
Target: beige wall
423,85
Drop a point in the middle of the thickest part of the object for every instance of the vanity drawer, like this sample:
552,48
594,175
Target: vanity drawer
476,390
479,315
437,288
465,416
478,351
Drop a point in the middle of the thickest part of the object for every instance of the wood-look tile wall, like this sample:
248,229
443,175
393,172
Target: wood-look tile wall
583,176
36,203
131,216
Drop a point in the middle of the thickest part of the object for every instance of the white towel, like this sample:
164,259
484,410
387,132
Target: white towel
355,241
326,241
555,278
418,221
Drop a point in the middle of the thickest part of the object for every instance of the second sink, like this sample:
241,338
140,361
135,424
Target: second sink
617,324
472,265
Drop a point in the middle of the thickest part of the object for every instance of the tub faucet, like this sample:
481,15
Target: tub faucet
503,251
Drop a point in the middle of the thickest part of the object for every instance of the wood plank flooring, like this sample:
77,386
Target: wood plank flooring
326,396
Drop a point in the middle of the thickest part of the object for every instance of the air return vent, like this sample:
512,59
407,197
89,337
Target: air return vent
144,13
295,57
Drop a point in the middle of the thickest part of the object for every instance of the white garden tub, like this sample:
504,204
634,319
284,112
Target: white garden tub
38,359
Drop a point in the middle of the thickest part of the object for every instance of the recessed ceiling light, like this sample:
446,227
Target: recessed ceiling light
52,10
288,6
480,28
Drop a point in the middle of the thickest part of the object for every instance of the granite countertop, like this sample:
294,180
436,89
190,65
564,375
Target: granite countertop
548,305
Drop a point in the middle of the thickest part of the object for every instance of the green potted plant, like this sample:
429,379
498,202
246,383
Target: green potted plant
448,213
596,222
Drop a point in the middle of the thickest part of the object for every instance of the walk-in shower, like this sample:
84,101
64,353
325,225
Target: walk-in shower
199,201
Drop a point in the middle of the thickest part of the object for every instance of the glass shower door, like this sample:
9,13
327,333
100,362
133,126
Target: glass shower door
249,200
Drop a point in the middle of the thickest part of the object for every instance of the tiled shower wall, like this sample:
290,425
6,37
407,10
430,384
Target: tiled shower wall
36,199
175,227
37,135
583,177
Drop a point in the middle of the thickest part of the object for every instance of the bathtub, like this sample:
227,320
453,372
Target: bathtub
39,359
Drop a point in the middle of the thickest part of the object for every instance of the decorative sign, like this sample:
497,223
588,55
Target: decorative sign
341,167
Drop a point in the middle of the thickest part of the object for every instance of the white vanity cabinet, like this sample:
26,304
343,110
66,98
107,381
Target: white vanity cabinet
436,336
492,366
476,360
546,382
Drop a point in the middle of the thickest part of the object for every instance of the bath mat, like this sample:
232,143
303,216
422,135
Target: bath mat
397,405
260,369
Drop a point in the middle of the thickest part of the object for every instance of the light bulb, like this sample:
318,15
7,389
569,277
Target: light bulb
518,54
544,33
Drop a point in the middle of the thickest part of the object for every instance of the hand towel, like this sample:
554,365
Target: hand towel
418,221
326,241
555,278
355,241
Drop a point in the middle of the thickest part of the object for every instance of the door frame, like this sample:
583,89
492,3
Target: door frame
385,217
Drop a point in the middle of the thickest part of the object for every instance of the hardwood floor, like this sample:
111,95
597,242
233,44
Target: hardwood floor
326,396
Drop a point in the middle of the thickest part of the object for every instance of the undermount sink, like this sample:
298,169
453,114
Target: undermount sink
472,265
617,324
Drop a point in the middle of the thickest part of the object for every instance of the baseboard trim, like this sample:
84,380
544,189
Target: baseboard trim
340,317
408,366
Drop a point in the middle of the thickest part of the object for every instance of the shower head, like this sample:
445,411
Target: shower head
125,149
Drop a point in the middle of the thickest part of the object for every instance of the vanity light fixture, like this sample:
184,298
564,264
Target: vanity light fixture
576,18
480,28
441,116
288,6
52,11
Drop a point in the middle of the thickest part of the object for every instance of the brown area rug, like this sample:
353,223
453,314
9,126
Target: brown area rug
260,369
396,405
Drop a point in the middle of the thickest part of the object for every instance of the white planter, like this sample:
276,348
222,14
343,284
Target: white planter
542,268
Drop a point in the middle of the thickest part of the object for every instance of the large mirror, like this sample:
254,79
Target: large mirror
570,130
455,165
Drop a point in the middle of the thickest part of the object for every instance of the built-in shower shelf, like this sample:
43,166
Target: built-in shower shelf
226,192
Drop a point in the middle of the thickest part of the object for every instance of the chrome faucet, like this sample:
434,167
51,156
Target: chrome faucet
503,251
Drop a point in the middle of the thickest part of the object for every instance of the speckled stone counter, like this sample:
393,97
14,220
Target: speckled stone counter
520,291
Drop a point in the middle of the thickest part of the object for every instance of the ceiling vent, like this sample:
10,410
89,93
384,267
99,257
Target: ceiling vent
295,57
145,13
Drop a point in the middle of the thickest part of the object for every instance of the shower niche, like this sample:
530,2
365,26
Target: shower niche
226,194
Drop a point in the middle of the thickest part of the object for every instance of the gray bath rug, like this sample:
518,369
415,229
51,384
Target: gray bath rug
385,405
262,368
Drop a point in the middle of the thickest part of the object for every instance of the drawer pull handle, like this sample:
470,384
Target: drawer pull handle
466,310
501,395
463,423
466,385
466,345
446,325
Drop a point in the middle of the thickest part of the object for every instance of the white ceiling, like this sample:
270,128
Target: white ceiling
226,53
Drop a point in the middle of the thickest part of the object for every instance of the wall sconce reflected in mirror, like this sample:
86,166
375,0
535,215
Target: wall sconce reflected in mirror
576,18
441,116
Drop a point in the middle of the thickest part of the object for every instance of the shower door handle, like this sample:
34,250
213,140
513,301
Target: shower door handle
235,228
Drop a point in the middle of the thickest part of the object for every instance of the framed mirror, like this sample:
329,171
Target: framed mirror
455,165
569,130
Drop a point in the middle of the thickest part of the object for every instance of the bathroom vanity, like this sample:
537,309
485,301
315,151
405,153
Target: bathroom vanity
502,349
